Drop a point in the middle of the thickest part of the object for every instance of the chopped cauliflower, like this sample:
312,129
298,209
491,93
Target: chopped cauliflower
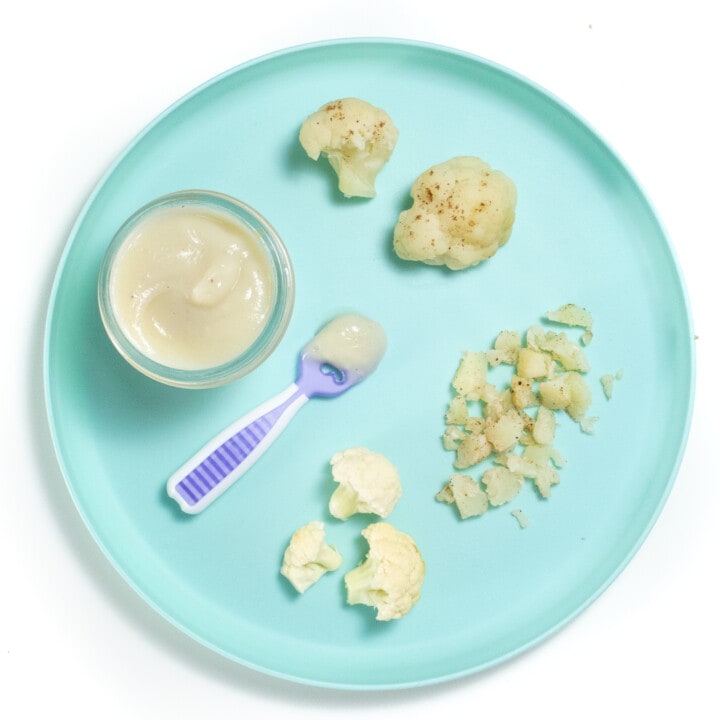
367,483
568,353
469,378
504,432
452,437
545,425
538,463
505,349
307,558
391,576
357,138
518,422
534,364
502,485
521,517
608,383
571,314
457,412
587,424
471,500
471,450
523,395
462,212
569,392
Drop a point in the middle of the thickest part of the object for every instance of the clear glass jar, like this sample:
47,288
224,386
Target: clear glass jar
277,316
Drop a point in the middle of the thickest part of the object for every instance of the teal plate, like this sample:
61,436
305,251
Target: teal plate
585,233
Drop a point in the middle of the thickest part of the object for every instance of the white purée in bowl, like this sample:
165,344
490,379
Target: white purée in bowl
193,283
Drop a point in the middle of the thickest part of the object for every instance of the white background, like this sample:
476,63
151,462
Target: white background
79,80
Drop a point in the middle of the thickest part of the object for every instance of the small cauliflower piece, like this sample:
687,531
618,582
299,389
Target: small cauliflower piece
367,483
587,424
391,577
608,383
504,432
580,396
533,364
357,138
470,376
568,392
521,517
472,450
502,484
505,349
522,392
457,412
475,425
463,211
544,427
568,353
571,314
308,557
576,316
466,494
538,463
452,437
497,402
555,393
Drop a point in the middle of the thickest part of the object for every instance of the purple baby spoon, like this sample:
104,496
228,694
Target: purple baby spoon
228,456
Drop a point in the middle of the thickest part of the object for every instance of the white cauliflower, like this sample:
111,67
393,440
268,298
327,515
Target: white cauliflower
463,211
357,138
367,483
308,557
391,577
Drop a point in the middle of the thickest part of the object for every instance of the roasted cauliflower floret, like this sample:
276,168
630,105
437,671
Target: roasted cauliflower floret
391,577
308,557
357,138
463,211
367,483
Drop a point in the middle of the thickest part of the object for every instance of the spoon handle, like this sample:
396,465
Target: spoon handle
214,468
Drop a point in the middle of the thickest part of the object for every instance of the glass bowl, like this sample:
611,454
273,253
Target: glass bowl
276,265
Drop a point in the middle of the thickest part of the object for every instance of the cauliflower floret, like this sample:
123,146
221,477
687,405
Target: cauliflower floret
391,577
367,483
463,211
357,138
307,558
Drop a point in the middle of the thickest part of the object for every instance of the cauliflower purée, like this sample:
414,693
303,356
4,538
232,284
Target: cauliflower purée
357,138
350,342
192,287
462,212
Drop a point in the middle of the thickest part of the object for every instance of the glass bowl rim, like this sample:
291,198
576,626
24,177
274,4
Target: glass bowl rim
274,329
